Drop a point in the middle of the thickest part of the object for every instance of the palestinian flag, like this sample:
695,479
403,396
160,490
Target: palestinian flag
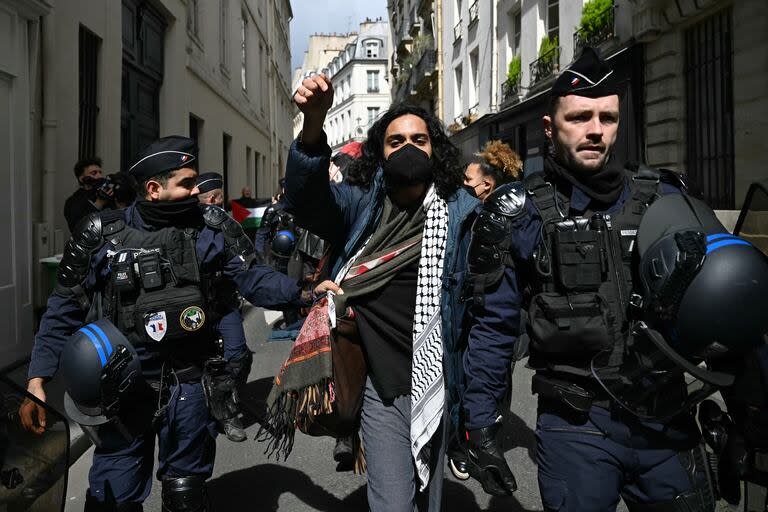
250,218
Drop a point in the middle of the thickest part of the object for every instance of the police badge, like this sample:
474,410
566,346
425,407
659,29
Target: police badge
156,325
192,318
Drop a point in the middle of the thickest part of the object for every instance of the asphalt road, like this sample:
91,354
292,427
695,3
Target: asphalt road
245,479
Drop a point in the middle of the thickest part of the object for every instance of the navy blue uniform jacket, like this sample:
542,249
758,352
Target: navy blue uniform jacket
494,328
259,284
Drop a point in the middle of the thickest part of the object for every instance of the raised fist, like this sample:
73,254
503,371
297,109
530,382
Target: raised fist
314,96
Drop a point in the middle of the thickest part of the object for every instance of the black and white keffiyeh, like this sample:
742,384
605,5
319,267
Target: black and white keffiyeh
427,386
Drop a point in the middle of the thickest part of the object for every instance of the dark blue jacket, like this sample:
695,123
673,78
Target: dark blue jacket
345,215
259,284
495,328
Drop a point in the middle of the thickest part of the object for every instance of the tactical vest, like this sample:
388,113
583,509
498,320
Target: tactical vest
157,292
580,291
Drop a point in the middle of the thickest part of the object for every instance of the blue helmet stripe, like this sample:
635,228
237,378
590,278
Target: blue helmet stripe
718,236
96,344
103,337
725,243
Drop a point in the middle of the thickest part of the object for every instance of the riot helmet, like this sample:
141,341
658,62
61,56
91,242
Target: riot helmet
283,243
98,365
702,296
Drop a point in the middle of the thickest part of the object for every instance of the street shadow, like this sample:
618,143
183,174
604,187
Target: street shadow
253,397
262,486
516,433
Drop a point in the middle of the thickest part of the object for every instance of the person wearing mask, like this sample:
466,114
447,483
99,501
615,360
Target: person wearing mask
397,232
153,272
89,197
494,166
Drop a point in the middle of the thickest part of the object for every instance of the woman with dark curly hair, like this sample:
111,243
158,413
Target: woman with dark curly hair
398,226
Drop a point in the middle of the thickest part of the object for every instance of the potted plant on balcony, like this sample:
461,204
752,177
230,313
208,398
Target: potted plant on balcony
596,16
513,75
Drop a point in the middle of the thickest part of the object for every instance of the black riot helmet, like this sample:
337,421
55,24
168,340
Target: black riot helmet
283,243
704,294
98,364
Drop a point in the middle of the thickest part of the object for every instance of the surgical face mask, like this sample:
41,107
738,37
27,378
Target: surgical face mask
408,166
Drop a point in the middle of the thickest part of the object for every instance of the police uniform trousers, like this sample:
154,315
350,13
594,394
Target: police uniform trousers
588,461
186,434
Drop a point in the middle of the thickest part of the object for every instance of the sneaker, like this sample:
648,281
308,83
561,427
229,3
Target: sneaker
233,429
342,453
459,467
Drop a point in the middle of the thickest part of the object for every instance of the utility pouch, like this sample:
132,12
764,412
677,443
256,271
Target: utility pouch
576,325
579,260
576,397
171,314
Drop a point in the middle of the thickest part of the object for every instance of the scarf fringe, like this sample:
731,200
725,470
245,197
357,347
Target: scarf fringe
359,452
291,410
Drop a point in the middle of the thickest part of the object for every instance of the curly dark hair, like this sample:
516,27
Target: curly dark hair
448,174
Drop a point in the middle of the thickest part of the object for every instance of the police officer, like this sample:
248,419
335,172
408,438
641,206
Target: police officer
560,244
236,352
153,270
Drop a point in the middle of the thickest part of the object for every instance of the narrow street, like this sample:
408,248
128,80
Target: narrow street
308,480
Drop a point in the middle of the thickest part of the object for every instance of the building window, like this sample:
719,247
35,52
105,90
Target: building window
474,62
256,159
709,109
457,99
193,17
515,22
224,35
261,71
89,107
351,126
553,19
372,49
373,81
373,113
244,50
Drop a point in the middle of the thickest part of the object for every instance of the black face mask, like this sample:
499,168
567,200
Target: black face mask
183,213
90,181
408,166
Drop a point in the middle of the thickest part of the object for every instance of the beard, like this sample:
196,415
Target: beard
583,158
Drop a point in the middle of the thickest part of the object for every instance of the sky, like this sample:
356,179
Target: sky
328,16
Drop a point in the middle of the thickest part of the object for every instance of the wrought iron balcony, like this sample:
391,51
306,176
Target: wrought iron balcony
422,70
510,89
584,37
474,11
545,66
457,31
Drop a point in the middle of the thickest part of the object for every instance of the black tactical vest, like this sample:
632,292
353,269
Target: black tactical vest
580,292
157,293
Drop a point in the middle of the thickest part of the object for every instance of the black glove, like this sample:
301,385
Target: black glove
487,464
219,385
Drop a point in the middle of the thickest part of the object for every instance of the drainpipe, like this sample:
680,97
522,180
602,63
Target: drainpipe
439,49
494,57
48,29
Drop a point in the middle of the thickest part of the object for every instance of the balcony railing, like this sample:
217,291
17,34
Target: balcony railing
457,31
510,89
474,11
584,37
423,69
545,66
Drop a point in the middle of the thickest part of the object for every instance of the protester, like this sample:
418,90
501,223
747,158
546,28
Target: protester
495,165
89,197
396,229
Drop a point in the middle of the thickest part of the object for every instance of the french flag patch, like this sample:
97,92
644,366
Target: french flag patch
575,82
